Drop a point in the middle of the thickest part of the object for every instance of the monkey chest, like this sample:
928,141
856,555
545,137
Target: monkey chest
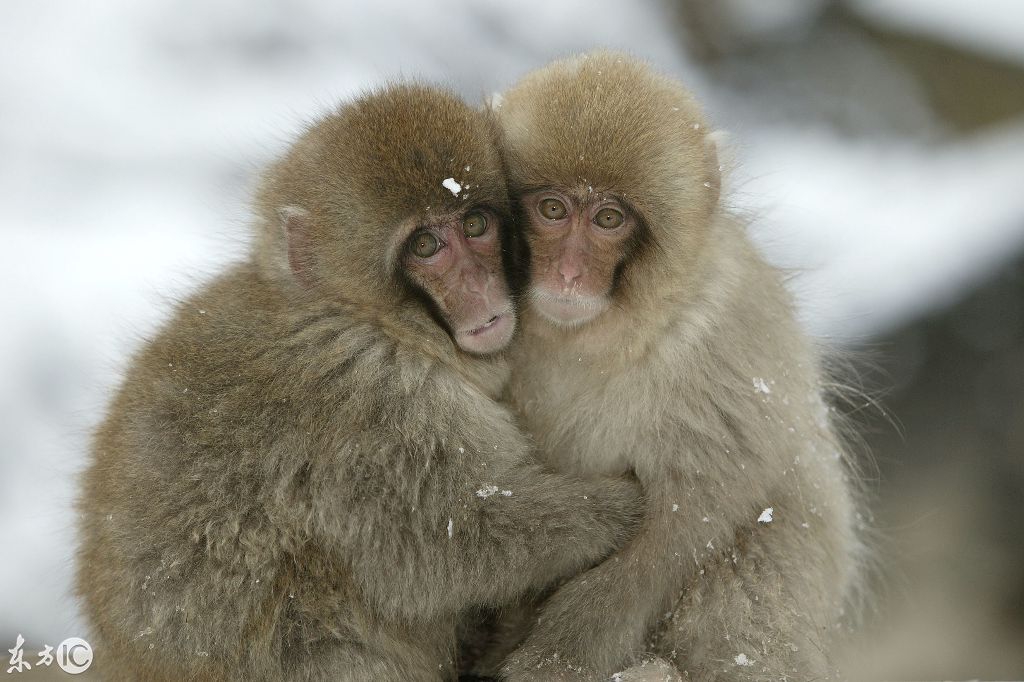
581,426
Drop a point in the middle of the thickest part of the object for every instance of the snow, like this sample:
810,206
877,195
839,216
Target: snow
487,491
741,659
883,231
451,527
133,132
145,632
452,186
761,386
993,27
766,515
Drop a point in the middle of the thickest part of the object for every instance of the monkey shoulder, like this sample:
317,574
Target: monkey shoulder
242,396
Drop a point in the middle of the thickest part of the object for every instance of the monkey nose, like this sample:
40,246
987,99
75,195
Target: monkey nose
570,273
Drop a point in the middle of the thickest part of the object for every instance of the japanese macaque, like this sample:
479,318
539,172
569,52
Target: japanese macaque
306,474
657,340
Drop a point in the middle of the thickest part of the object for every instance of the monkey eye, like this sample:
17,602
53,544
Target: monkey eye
552,209
424,244
474,225
608,218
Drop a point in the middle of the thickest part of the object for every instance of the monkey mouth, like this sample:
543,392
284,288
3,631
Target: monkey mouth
489,337
567,310
485,326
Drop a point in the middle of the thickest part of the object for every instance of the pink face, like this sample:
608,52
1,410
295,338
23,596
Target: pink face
576,243
458,264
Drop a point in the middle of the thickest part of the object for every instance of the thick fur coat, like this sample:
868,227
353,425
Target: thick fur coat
699,380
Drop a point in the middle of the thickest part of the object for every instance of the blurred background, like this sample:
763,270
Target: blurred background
878,150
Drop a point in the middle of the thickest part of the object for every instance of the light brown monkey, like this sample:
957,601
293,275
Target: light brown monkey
305,475
657,340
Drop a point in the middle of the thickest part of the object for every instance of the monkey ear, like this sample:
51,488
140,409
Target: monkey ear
296,228
717,158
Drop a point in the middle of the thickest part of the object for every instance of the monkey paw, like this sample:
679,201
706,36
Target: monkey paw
530,663
654,670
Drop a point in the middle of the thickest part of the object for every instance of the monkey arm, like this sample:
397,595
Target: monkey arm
602,615
766,606
754,583
474,527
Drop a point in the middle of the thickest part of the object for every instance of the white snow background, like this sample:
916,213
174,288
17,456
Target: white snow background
131,134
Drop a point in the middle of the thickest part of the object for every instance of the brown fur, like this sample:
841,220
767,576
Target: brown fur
271,493
697,378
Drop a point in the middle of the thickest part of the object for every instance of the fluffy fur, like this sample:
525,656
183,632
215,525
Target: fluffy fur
292,481
698,379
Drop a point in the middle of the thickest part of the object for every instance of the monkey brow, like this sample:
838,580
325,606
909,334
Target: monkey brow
578,192
537,187
489,208
443,218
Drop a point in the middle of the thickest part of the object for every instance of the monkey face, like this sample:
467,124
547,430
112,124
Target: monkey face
577,241
393,207
457,264
607,121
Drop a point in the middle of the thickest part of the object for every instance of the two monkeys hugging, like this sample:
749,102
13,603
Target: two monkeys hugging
501,392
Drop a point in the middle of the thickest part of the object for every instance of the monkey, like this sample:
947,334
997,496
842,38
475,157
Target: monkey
656,339
306,474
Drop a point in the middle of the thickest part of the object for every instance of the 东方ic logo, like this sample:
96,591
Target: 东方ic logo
73,656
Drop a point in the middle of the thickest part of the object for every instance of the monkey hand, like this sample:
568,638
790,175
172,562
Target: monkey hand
619,508
650,670
590,617
531,664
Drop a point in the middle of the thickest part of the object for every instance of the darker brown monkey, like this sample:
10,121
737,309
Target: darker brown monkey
657,340
305,474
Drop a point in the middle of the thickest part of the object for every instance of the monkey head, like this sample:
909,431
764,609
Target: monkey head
614,177
395,206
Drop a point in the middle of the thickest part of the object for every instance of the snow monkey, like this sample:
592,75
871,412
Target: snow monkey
306,474
656,340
